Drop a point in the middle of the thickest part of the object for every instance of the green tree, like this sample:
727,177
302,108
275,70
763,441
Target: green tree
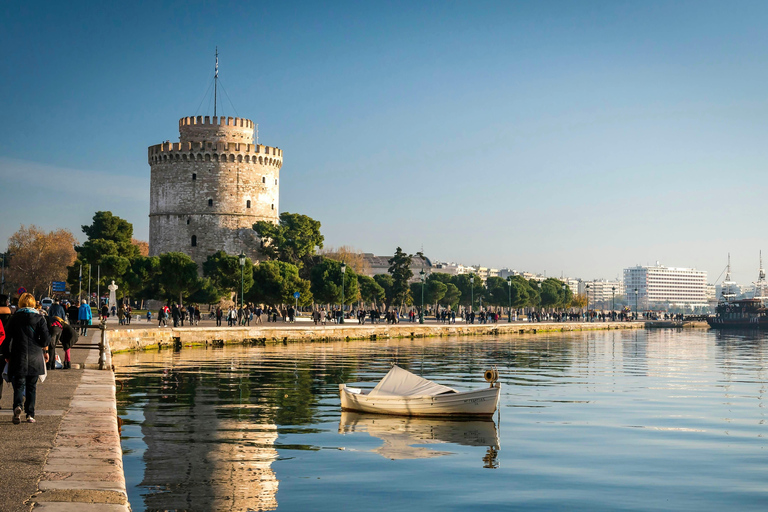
386,282
534,293
371,292
294,239
451,296
520,292
206,292
275,282
466,289
142,279
177,276
551,293
400,270
326,283
109,248
225,272
497,291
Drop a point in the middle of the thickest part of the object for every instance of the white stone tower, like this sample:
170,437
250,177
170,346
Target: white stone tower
208,189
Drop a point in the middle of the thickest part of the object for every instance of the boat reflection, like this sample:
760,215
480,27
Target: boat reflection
400,434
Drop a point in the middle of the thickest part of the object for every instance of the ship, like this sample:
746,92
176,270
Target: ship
741,313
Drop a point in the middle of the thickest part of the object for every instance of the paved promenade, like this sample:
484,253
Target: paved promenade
70,459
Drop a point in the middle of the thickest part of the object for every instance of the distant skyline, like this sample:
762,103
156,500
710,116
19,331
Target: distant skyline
575,138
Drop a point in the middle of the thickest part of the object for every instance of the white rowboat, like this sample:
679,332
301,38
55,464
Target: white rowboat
403,393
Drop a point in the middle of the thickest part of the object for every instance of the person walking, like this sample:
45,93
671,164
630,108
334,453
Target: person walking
219,316
23,349
175,315
84,317
68,338
104,313
72,312
5,315
57,309
55,326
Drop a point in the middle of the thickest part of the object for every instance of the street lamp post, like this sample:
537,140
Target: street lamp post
509,315
637,313
472,285
613,300
421,312
343,273
242,277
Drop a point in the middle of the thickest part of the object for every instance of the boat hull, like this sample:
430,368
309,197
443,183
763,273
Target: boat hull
738,323
478,403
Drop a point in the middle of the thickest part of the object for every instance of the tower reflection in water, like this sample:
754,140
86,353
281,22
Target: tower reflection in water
205,453
403,435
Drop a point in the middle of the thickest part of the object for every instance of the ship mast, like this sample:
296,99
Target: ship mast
726,293
761,286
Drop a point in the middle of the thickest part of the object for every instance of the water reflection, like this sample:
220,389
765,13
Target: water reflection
400,434
599,421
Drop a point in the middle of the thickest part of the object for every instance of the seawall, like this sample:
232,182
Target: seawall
123,340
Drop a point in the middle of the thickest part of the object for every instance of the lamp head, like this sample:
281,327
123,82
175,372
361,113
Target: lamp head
343,268
242,259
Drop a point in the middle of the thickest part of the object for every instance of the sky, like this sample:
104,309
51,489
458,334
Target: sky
572,138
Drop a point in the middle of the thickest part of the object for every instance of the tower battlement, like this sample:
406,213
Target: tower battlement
207,128
215,151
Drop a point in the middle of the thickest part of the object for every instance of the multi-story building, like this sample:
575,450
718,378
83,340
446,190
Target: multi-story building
660,286
600,292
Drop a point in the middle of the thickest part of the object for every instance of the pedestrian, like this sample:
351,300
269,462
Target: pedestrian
55,326
68,338
57,309
84,317
219,315
175,315
104,313
149,316
73,312
23,348
5,315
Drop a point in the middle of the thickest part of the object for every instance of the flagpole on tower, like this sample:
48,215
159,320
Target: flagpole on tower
216,82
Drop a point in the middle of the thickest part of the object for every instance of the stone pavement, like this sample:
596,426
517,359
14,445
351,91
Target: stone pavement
70,460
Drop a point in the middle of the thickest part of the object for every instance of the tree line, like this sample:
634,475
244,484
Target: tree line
293,262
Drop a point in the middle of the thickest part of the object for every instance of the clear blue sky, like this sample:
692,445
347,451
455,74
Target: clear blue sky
575,137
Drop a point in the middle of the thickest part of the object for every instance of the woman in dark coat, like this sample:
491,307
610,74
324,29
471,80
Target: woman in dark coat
26,338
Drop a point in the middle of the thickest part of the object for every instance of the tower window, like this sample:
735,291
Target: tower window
194,240
248,203
187,220
210,202
194,176
275,182
263,179
273,206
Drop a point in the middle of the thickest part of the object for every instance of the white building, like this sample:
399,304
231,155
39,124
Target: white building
660,286
601,293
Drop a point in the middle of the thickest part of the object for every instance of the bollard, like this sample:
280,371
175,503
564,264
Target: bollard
103,347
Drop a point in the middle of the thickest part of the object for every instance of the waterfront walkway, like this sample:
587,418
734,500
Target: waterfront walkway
70,459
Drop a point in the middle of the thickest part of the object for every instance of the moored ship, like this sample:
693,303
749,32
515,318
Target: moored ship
742,314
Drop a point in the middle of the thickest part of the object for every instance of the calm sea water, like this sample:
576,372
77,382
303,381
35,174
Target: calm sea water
622,420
